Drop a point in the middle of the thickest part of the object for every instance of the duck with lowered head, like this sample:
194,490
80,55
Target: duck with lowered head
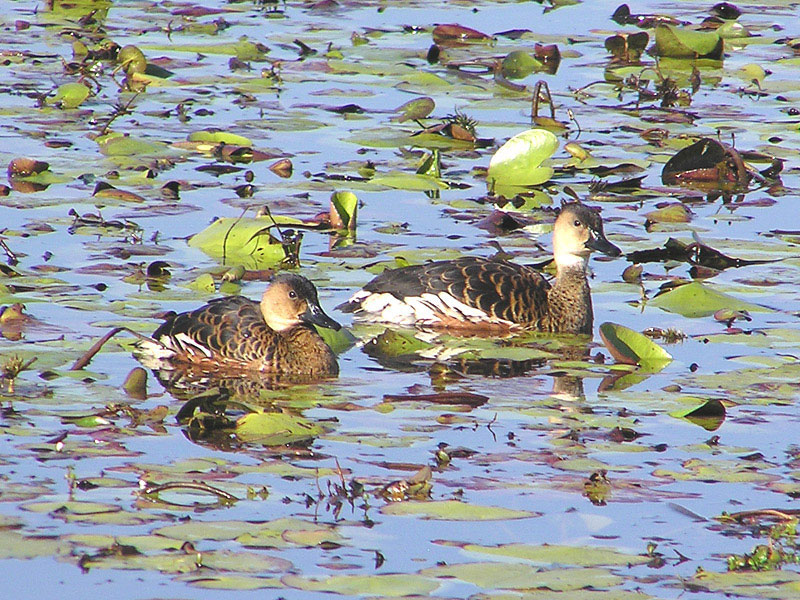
475,292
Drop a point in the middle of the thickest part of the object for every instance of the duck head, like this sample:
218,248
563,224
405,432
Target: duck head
290,300
579,231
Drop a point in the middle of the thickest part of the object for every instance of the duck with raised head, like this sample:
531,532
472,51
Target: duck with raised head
475,292
275,336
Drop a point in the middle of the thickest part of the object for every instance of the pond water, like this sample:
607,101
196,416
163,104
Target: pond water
566,477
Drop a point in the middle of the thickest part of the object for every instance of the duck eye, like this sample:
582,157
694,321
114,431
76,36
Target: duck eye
292,294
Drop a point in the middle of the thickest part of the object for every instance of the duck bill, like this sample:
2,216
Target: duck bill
316,316
601,244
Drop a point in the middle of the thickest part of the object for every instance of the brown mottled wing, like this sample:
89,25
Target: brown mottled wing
501,289
229,328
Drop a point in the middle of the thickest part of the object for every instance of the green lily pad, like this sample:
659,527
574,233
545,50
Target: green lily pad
246,241
679,42
709,414
219,137
345,206
195,531
15,545
699,300
519,64
287,533
519,160
415,109
409,181
126,146
775,584
582,556
453,510
339,341
631,347
517,576
275,428
70,95
379,585
394,342
217,581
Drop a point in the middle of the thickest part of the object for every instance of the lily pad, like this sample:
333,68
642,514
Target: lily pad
70,95
453,510
219,137
274,428
700,300
631,347
680,42
582,556
516,576
246,241
519,64
380,585
519,160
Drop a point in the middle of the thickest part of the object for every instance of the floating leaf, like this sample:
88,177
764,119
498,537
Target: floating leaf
710,414
752,73
631,347
582,556
453,510
215,136
393,342
453,34
376,585
25,167
16,545
245,241
519,160
671,213
515,576
275,428
234,582
70,95
127,146
132,60
679,42
519,64
699,300
415,109
339,341
409,181
344,208
135,384
203,283
707,161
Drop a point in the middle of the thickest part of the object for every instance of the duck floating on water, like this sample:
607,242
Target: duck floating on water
475,292
275,336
